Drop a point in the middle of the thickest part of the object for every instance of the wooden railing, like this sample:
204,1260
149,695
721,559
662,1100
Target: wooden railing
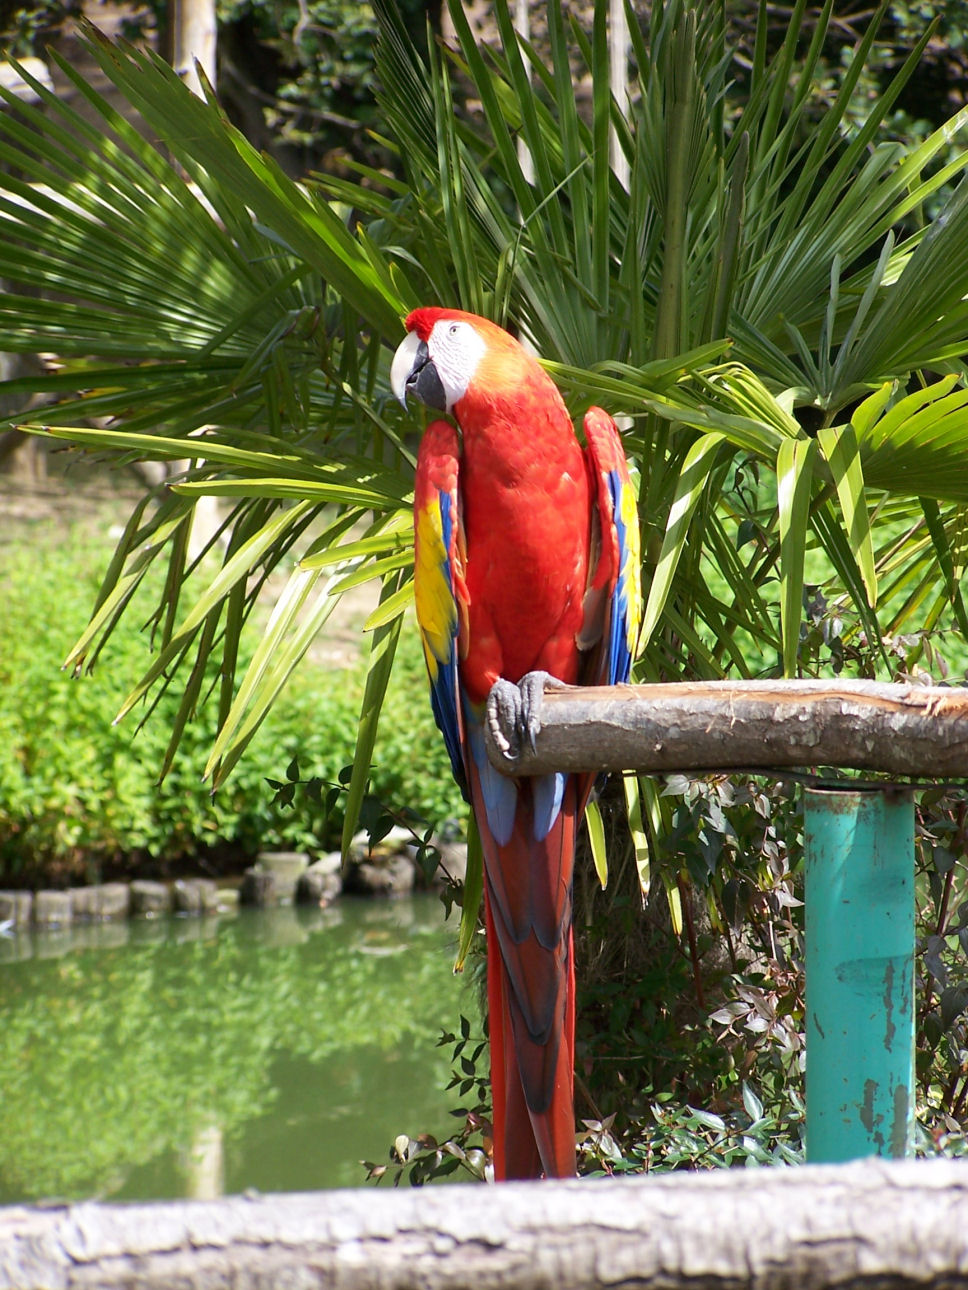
893,1225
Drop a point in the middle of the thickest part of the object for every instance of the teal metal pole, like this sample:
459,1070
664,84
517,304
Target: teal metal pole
859,855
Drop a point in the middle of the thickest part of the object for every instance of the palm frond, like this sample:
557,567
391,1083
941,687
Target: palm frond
757,301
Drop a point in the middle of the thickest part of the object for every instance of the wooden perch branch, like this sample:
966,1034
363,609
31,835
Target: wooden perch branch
876,1223
727,725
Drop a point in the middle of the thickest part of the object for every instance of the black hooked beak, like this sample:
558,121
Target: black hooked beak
413,372
423,382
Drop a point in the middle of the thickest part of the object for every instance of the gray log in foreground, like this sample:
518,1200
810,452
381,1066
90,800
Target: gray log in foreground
875,1223
726,725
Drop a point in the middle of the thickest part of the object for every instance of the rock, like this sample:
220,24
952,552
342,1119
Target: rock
322,881
16,907
100,934
54,942
453,863
283,925
396,841
150,899
196,896
454,858
16,949
104,902
258,888
286,867
148,931
84,902
381,876
52,909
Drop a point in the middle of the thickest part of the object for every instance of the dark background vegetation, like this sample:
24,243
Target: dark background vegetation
299,78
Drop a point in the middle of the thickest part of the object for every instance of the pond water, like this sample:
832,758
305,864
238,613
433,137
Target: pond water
271,1050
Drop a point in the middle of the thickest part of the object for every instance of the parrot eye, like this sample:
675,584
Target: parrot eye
455,348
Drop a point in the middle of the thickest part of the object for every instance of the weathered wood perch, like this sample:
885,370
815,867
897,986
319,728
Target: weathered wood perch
747,725
875,1224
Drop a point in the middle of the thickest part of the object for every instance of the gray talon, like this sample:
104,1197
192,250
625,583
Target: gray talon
531,688
502,707
517,710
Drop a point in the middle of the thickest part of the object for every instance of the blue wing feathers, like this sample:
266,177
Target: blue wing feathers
619,656
500,793
444,687
614,602
548,790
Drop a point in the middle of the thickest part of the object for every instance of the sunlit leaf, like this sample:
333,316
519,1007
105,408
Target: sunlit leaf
473,895
839,447
794,469
596,840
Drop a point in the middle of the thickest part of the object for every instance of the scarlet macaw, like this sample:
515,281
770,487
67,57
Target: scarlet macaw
526,572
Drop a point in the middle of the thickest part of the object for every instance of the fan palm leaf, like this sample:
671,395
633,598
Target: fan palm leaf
757,300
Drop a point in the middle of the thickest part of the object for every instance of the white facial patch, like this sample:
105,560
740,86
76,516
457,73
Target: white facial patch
456,349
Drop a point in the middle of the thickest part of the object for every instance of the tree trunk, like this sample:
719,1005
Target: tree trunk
194,36
746,725
875,1223
618,76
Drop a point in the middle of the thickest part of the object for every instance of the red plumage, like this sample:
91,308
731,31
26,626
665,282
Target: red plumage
517,565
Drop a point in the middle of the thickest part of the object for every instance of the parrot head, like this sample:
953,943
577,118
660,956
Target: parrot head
448,353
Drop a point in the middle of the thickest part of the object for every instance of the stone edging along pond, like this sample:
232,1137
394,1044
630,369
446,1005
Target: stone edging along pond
277,877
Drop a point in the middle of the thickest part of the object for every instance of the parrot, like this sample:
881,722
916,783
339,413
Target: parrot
526,577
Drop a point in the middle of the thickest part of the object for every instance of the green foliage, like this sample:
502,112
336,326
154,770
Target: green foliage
702,1021
928,97
77,791
773,240
25,29
669,1023
941,1058
322,93
411,768
685,1137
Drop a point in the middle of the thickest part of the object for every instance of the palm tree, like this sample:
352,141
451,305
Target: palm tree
758,297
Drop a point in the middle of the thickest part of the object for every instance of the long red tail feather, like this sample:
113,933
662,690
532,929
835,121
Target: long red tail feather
531,991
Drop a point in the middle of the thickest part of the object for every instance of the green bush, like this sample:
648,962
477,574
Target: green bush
79,795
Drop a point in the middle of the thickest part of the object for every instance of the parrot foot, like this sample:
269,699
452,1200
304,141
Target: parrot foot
514,711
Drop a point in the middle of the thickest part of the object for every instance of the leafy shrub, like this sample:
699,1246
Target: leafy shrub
79,795
707,1023
696,1056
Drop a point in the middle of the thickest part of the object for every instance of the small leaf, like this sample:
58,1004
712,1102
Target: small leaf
754,1107
596,838
840,448
473,894
794,471
933,960
708,1120
696,469
954,1001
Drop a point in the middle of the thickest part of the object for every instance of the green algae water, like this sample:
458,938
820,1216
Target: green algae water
273,1050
